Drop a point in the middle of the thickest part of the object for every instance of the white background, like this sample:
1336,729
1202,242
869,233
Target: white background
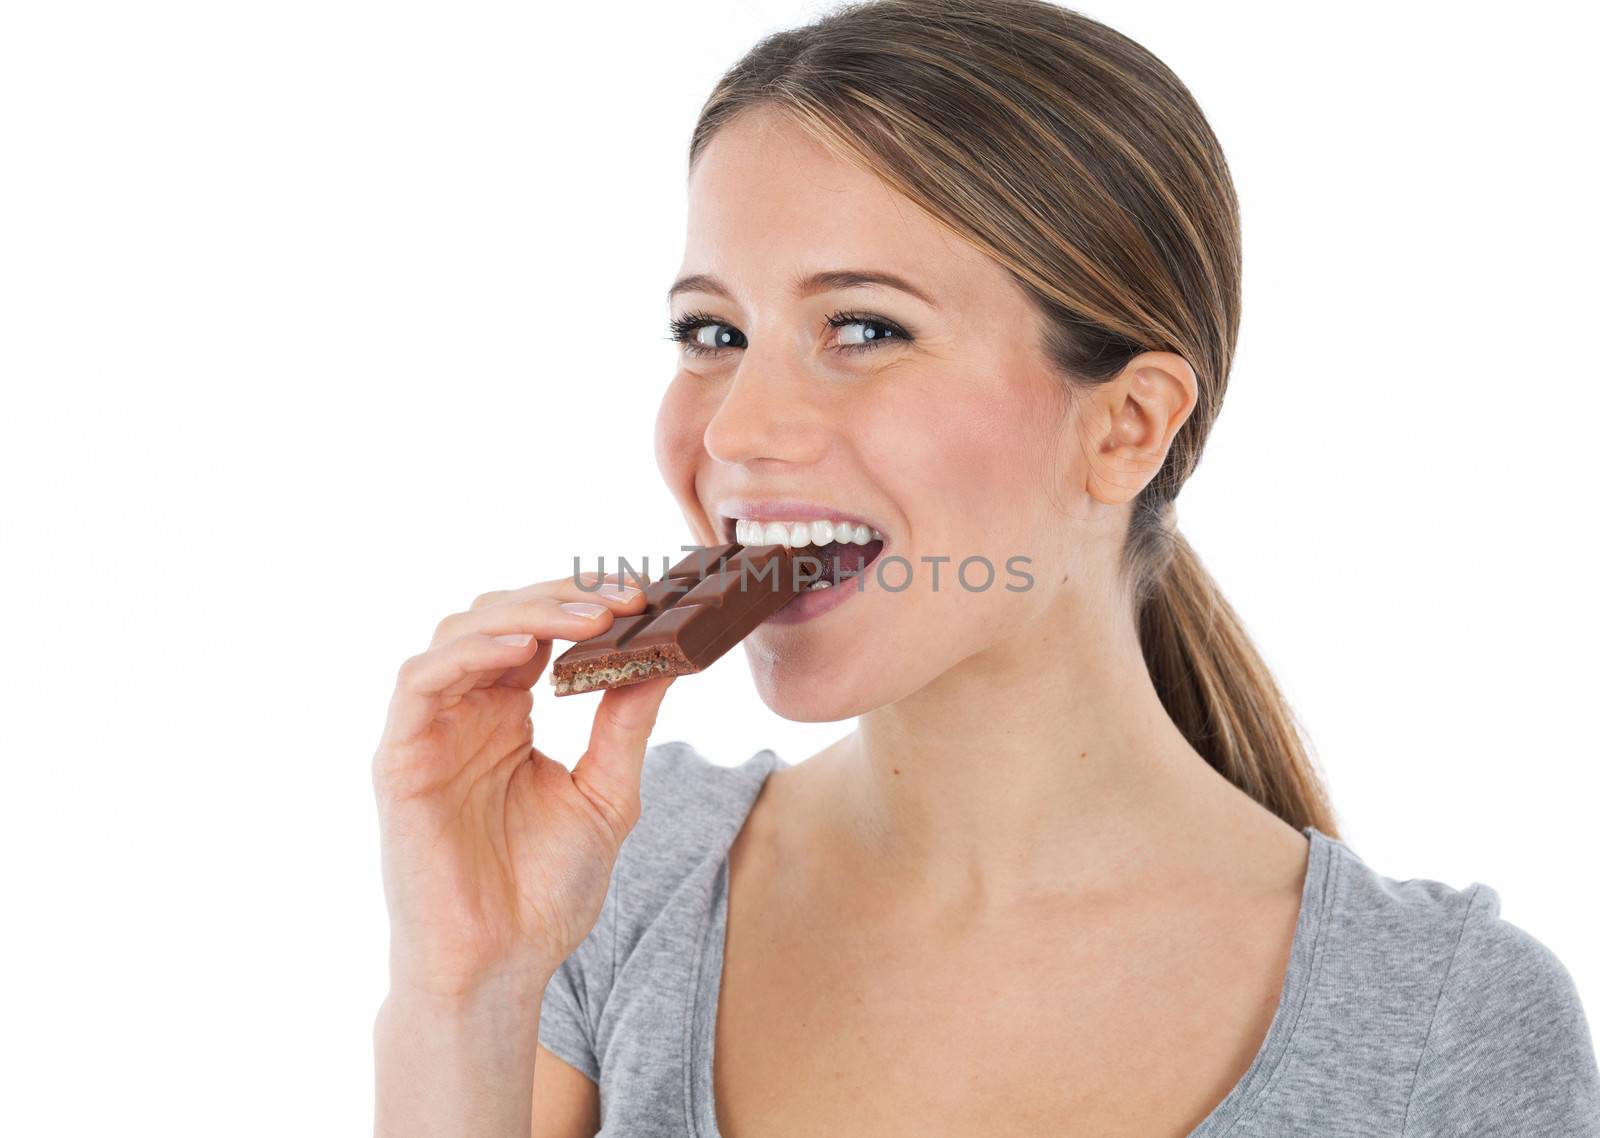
305,307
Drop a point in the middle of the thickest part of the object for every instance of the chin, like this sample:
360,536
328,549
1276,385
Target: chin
817,693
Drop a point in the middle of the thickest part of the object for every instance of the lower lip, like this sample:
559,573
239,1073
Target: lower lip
814,602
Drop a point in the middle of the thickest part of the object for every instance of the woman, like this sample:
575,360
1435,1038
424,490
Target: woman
966,274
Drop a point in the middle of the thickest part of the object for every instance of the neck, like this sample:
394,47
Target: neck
1024,773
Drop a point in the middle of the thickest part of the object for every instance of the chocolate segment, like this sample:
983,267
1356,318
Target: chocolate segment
704,605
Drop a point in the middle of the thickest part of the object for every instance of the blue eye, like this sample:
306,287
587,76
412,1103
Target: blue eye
702,334
874,331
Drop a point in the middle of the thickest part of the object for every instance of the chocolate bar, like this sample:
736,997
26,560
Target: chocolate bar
704,605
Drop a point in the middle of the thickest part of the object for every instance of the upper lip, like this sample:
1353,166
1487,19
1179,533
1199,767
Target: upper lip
786,510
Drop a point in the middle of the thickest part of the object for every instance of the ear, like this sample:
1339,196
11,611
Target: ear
1136,417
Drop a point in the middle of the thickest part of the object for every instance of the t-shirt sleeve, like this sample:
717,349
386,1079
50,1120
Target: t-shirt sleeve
1509,1051
569,1016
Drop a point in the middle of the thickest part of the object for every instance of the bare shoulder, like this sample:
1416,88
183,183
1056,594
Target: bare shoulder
566,1104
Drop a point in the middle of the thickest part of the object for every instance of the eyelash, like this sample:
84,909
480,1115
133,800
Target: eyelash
684,327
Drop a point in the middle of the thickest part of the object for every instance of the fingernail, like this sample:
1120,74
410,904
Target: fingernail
515,639
621,592
582,608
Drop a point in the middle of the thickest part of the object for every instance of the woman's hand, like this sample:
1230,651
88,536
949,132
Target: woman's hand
496,859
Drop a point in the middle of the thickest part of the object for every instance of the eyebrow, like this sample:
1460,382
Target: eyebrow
806,286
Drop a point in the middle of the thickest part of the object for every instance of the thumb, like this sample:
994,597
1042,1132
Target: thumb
608,773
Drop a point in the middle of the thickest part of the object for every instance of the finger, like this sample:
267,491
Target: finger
522,609
526,675
544,619
608,772
431,678
586,583
511,636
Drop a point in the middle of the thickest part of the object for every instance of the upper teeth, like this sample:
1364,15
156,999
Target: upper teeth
753,531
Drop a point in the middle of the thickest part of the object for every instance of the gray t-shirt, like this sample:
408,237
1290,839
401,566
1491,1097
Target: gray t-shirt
1410,1009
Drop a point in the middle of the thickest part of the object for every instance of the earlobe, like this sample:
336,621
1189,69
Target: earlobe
1142,410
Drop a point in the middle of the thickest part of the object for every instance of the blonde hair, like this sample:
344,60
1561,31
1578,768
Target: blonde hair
1079,162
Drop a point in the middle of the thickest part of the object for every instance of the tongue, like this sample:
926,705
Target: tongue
842,560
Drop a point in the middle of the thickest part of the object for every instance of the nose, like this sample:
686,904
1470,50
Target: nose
767,414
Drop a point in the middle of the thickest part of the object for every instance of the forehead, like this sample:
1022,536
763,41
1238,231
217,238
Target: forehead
768,201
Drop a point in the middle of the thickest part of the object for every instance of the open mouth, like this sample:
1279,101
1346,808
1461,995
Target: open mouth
843,545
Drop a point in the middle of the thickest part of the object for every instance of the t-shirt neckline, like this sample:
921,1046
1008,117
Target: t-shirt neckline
1305,954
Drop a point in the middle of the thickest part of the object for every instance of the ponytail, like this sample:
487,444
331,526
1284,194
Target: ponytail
1219,692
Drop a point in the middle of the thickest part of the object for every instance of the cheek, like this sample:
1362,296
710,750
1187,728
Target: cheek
969,461
680,428
974,470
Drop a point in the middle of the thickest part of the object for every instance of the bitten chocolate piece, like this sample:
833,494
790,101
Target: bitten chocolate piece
705,604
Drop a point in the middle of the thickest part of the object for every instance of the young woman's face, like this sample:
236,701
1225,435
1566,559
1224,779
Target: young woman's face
932,419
